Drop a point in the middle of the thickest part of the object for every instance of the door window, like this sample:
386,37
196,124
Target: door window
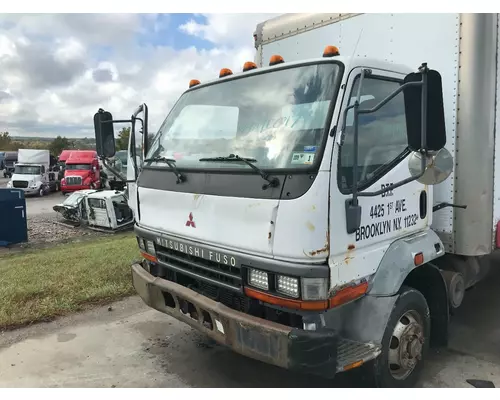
382,140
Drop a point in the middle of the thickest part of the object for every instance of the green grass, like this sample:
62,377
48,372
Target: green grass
43,284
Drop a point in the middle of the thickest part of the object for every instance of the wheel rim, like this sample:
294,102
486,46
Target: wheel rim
405,347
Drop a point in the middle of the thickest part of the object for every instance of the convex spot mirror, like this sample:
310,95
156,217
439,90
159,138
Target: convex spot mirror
438,166
104,134
434,107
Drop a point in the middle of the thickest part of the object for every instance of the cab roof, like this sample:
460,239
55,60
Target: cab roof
349,62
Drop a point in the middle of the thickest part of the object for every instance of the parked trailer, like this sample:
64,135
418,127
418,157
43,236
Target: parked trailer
332,201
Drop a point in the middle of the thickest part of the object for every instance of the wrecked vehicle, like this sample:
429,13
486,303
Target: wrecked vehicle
100,210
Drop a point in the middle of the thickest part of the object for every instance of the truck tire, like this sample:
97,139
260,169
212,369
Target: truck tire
405,342
41,192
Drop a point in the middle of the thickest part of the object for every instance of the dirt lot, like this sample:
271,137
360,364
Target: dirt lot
130,345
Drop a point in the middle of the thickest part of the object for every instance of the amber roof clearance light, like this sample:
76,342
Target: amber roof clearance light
276,59
331,51
193,82
225,72
249,65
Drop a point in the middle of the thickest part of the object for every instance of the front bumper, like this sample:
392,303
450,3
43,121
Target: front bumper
313,352
27,191
30,191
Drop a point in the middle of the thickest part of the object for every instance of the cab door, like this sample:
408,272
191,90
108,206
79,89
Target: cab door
382,160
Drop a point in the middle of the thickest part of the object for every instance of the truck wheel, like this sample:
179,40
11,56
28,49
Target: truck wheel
405,342
57,187
41,192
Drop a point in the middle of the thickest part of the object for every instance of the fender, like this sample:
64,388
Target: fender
365,320
398,261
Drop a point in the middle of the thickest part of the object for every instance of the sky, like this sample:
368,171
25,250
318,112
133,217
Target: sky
57,70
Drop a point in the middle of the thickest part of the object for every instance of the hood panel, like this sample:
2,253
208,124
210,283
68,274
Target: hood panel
302,226
233,223
25,177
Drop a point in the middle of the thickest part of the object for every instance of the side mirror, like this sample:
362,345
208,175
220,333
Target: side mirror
104,133
425,105
438,166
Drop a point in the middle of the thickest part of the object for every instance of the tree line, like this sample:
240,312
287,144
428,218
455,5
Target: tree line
58,144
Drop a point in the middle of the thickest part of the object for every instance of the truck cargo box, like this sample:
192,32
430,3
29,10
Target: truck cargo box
32,156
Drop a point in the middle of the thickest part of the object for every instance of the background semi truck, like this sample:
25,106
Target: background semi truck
9,161
82,171
33,173
333,199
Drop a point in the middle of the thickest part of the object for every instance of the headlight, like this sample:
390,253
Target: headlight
314,288
258,278
150,248
9,184
287,285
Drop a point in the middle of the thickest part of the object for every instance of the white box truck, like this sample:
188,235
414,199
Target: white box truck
33,173
326,207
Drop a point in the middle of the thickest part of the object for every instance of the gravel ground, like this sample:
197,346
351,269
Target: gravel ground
45,226
50,228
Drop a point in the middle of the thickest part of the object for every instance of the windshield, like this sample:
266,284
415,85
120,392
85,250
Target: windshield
73,199
122,156
78,166
277,118
27,170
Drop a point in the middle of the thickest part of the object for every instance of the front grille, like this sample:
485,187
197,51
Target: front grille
20,184
73,180
236,301
208,272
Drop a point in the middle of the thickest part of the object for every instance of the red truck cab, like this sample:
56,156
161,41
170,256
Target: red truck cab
63,157
81,171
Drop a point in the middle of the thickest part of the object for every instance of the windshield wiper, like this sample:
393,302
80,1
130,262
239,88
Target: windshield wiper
272,181
171,163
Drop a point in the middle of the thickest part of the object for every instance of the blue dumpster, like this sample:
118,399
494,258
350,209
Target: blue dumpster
13,220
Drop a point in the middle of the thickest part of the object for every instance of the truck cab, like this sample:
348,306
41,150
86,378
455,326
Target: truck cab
82,171
10,159
265,192
61,162
33,173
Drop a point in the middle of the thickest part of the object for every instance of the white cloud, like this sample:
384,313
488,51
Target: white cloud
226,29
57,70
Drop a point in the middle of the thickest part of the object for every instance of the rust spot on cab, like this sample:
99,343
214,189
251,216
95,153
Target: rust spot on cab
325,249
350,253
269,236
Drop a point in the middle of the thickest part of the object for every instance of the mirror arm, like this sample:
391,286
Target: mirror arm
117,121
145,132
132,133
354,201
391,96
